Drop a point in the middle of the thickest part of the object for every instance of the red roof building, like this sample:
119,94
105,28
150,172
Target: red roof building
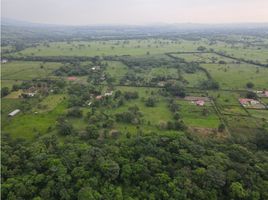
72,78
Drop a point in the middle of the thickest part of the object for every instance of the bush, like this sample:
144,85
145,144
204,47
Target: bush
150,102
74,112
250,85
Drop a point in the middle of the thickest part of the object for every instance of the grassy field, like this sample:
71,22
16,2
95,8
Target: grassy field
236,76
22,70
262,114
9,83
113,47
194,79
226,97
7,106
242,51
193,115
204,58
49,103
116,69
29,125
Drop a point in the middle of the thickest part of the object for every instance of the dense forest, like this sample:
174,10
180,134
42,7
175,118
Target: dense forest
143,167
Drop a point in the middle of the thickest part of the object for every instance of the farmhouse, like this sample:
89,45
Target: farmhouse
161,84
13,113
3,61
30,92
263,93
108,93
99,97
71,78
200,103
248,102
95,68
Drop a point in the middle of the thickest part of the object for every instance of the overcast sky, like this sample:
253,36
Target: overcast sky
86,12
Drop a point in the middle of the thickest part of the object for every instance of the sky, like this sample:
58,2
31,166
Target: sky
135,12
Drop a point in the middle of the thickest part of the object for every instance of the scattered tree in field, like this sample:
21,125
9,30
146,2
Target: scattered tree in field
221,127
250,85
251,95
4,91
150,102
201,48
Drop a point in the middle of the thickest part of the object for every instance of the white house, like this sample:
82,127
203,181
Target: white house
4,61
108,93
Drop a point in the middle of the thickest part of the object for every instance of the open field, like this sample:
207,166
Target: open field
114,47
22,70
116,70
197,116
204,58
236,76
242,51
9,83
262,114
29,125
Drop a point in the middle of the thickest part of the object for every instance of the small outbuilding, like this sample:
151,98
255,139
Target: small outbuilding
71,78
108,93
200,103
13,113
99,97
3,61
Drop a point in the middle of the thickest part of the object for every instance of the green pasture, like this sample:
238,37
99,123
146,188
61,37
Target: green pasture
193,115
29,125
203,57
233,110
111,47
26,70
116,69
7,106
244,52
225,97
49,103
236,76
262,114
153,115
194,79
264,100
9,83
143,91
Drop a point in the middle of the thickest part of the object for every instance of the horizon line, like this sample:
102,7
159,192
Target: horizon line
136,24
